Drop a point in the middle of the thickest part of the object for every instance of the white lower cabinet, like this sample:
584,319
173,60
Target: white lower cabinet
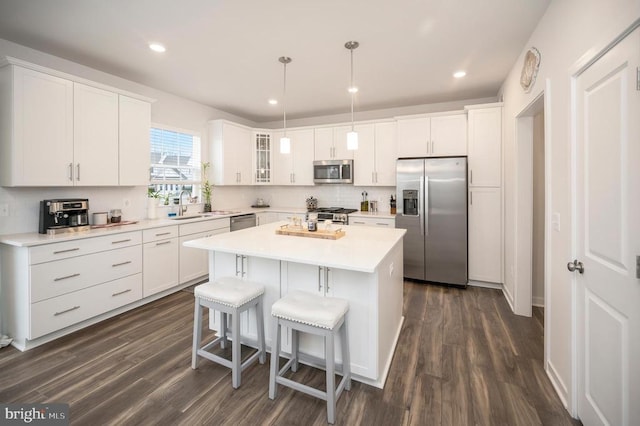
263,218
50,287
264,271
384,222
485,234
160,253
290,216
194,263
356,287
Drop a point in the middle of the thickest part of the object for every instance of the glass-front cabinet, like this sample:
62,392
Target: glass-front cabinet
262,144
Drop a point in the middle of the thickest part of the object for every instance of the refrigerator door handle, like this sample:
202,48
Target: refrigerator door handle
426,205
421,205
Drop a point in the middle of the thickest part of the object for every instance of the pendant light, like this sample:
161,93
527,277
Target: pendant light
352,136
285,142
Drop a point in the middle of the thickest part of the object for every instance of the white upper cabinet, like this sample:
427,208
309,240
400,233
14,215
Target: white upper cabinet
95,136
55,131
263,164
133,141
331,143
295,168
375,158
36,128
231,153
436,136
485,146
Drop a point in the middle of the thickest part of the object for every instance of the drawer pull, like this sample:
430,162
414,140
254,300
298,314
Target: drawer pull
382,224
121,241
121,263
163,243
121,292
163,233
66,277
359,223
66,251
66,310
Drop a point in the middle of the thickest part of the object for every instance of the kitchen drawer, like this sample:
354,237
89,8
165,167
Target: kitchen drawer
59,312
157,234
205,226
82,246
53,279
372,221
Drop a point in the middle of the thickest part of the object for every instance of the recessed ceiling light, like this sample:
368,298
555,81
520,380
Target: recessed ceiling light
353,89
459,74
157,47
273,102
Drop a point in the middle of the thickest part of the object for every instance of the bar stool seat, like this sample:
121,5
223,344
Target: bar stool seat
229,296
323,316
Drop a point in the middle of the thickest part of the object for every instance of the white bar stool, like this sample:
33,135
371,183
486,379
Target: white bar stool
323,316
229,296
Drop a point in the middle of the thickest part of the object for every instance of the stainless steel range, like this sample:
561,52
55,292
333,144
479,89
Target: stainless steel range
334,214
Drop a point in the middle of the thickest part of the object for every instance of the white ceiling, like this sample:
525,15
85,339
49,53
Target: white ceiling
224,53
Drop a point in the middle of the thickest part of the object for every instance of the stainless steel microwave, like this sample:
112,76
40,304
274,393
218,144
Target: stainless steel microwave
333,171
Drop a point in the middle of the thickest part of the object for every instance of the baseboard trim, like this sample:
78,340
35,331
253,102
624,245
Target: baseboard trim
537,301
558,385
484,284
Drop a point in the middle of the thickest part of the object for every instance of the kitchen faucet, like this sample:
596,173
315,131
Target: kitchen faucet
182,208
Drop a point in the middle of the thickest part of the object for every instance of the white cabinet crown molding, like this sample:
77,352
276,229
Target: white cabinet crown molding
8,60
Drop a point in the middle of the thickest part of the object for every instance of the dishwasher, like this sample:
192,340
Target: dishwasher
243,221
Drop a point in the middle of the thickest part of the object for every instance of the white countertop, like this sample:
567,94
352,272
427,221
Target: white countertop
361,249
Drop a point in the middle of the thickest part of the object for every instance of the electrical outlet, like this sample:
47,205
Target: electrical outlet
126,202
4,209
555,222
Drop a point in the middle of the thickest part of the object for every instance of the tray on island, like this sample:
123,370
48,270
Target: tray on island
320,233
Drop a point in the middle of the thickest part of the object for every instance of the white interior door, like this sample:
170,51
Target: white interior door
607,237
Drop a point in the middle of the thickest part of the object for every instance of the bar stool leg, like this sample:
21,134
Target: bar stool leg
331,379
236,360
275,359
223,330
295,346
197,333
346,357
260,325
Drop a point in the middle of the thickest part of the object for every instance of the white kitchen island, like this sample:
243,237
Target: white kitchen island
363,267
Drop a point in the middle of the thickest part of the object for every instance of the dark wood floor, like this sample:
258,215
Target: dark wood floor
463,358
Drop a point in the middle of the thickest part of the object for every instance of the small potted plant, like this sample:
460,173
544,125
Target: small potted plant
152,202
206,187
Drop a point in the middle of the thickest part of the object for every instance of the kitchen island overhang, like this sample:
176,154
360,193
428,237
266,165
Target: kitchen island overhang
364,267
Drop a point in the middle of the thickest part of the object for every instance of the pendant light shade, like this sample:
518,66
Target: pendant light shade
352,136
285,142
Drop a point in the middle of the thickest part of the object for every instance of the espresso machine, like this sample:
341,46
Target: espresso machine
64,215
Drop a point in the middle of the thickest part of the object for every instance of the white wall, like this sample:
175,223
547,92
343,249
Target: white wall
569,30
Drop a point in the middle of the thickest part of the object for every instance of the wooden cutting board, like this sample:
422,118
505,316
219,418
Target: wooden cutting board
299,232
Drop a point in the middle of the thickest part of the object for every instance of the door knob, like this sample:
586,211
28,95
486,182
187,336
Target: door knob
575,266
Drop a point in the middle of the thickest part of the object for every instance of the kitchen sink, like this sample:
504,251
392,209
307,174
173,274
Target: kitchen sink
207,214
187,217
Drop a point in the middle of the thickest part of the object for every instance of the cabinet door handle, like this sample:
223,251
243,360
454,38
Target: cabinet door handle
71,172
471,176
358,223
67,250
327,280
471,198
121,241
78,171
163,233
320,268
66,277
382,224
66,310
121,292
163,243
237,269
244,269
121,264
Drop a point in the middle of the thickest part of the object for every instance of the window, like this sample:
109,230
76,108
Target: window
175,161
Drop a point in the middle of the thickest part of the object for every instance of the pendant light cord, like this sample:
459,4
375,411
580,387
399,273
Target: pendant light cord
284,99
352,90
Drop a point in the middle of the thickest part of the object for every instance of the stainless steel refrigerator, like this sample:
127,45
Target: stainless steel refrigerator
432,207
